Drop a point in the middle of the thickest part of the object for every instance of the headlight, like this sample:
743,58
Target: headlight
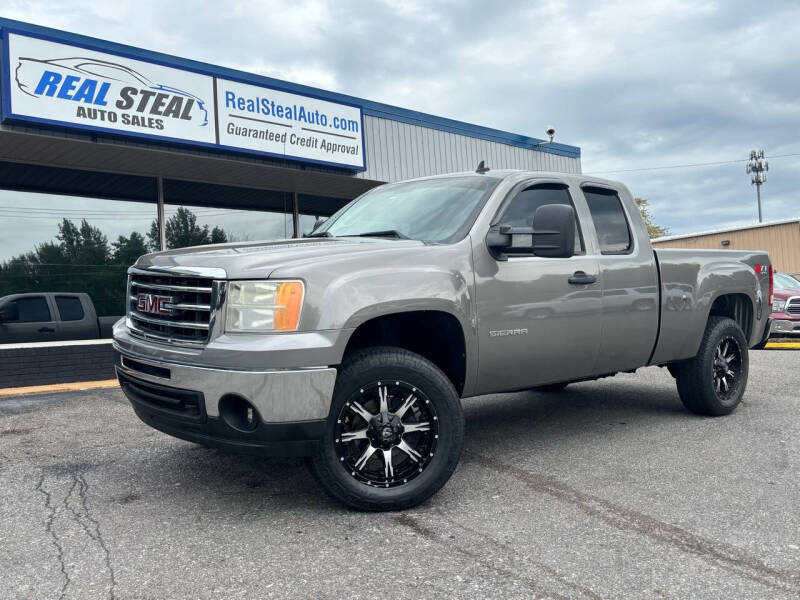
261,306
778,305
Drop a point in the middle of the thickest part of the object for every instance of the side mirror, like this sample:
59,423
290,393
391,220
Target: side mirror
552,235
506,239
10,312
554,231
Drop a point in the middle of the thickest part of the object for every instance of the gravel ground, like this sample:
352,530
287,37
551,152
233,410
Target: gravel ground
606,490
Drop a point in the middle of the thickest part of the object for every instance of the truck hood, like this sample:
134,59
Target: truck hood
257,260
785,294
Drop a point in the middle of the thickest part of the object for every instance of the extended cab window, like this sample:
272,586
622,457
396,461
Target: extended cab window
32,310
69,307
610,221
521,209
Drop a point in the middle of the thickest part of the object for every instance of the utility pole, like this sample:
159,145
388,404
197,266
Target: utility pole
757,167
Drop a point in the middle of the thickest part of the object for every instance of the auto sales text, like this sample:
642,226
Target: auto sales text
147,105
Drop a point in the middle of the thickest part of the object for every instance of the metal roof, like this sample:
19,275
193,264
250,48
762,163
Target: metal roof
683,236
376,109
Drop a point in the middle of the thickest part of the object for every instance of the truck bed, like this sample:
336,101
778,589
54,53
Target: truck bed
691,280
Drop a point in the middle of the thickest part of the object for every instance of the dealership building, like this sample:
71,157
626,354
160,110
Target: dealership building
108,151
126,136
780,238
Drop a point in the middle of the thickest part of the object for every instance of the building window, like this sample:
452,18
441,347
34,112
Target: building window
71,244
187,225
312,208
74,244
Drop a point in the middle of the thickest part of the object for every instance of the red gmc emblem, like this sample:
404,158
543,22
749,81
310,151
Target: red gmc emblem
152,303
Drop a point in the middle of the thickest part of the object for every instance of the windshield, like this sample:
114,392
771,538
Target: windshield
435,210
786,282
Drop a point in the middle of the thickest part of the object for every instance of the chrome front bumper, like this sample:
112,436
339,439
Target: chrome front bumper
785,326
279,395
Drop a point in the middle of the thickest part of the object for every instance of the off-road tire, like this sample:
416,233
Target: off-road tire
390,364
695,377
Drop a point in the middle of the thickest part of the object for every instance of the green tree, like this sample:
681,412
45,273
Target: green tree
128,249
85,245
153,238
652,229
70,237
218,235
182,230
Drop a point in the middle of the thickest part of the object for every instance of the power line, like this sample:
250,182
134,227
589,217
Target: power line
703,164
38,264
21,213
111,211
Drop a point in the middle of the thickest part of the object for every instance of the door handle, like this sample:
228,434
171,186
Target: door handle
581,278
46,330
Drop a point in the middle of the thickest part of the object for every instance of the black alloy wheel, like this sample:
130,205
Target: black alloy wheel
727,366
386,433
394,434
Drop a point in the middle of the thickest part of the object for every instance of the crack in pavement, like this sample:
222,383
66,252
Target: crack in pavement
79,482
54,538
481,537
83,517
413,523
723,555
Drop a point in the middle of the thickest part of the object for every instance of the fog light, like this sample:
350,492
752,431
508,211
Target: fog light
238,413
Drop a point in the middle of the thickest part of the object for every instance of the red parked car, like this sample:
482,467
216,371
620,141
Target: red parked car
786,305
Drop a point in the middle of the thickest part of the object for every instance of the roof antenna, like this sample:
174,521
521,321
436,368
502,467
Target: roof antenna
482,168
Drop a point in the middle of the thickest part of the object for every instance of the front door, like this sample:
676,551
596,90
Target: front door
539,318
34,321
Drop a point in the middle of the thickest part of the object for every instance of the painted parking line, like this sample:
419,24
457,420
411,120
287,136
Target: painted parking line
58,387
783,346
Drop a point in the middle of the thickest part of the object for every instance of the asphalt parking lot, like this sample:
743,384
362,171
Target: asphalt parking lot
606,490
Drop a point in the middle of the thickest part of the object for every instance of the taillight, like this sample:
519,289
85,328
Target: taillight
771,284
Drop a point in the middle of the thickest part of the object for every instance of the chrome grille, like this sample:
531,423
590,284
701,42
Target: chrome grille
793,306
187,301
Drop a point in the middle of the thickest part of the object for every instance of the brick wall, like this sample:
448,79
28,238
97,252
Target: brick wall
40,364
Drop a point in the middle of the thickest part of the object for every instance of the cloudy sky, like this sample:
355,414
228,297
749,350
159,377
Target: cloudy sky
635,84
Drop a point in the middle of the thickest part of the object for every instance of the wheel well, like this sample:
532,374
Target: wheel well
738,307
436,335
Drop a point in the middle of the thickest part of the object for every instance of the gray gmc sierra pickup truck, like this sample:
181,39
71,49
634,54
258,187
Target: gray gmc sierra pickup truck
51,317
353,346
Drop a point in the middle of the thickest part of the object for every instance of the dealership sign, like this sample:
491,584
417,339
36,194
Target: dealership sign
50,82
282,123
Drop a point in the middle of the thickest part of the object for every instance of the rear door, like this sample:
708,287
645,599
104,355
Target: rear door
35,321
74,323
629,280
537,322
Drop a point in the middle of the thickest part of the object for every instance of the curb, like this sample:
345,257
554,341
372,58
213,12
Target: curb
783,346
58,387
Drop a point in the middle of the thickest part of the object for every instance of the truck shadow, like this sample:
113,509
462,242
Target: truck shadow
580,408
509,423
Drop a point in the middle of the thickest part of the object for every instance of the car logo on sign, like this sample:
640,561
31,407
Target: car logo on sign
152,303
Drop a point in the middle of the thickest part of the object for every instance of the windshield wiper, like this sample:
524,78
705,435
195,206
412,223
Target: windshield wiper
319,234
385,233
